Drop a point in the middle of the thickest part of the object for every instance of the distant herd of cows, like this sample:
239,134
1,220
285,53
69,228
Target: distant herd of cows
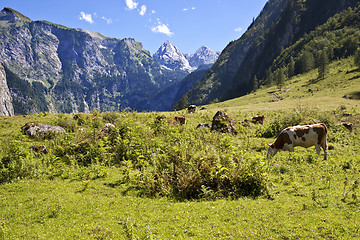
289,138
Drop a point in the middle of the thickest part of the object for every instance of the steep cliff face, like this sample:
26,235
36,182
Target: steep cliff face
80,70
6,107
280,24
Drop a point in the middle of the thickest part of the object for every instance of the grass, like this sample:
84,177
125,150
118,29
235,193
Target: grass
121,186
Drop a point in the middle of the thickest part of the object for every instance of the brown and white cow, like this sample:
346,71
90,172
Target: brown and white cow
258,119
304,136
180,119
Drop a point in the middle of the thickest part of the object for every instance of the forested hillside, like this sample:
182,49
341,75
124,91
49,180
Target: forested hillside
279,26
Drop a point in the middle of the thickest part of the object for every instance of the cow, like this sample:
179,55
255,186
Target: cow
181,119
348,126
191,108
258,119
304,136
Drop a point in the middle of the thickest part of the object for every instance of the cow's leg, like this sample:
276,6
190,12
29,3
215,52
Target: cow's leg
318,150
291,150
325,148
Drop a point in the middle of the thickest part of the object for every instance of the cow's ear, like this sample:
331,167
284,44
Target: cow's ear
271,145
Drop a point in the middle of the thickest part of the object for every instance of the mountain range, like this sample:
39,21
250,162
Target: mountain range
51,68
279,26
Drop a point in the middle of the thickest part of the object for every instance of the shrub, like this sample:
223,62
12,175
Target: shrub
14,163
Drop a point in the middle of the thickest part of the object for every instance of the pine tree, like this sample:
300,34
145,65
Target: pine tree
323,64
269,77
357,58
280,77
306,62
183,103
291,68
255,84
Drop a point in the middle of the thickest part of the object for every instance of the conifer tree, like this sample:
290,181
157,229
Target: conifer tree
291,68
357,58
183,103
306,62
323,64
255,83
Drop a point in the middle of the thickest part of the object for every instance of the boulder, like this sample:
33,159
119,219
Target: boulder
223,123
33,129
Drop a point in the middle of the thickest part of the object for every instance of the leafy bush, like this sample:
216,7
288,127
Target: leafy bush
15,162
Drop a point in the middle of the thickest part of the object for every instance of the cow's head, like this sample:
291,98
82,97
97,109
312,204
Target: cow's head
271,151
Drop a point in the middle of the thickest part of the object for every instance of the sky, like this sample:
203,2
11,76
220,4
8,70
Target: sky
189,24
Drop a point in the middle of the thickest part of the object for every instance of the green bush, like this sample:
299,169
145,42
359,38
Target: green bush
15,162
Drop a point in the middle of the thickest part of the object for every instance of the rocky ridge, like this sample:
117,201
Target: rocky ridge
171,57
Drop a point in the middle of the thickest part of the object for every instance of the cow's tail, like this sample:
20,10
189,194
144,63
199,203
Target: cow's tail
326,130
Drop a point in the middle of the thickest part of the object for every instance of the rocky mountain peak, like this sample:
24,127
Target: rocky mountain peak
203,55
171,57
8,14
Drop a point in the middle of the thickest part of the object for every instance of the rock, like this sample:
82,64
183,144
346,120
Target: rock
6,107
223,123
33,129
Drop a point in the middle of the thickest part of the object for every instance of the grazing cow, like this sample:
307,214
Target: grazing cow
348,125
191,108
258,119
181,119
304,136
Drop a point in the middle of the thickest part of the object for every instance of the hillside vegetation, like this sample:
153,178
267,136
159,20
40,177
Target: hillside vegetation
150,178
288,37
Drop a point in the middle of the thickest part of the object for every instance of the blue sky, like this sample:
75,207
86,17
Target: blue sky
188,24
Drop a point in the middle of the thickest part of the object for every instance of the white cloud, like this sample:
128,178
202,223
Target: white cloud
86,17
108,20
142,10
162,28
131,4
238,29
187,9
153,11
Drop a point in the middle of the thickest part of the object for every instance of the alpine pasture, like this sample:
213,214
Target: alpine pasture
152,178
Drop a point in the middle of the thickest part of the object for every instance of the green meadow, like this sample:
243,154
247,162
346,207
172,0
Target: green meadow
151,178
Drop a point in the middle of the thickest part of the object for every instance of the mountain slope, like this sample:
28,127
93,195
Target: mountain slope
79,69
280,24
166,99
